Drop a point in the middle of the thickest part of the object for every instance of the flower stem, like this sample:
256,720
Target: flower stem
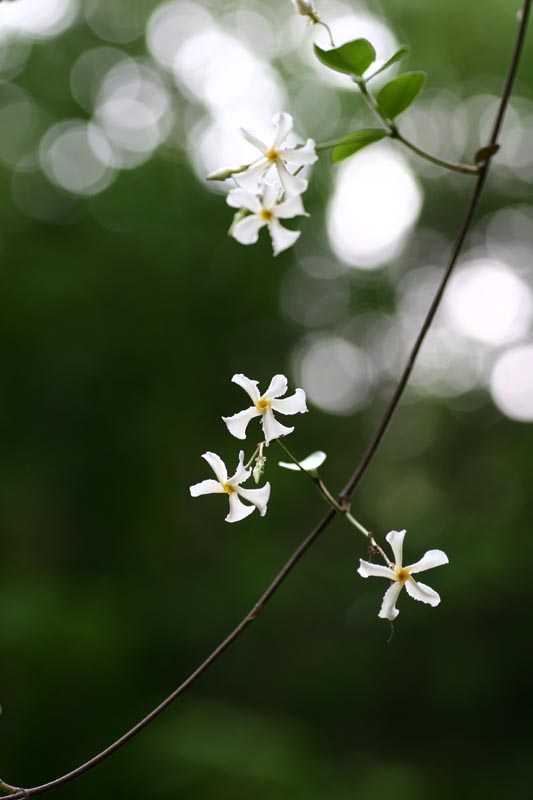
351,519
256,453
5,787
394,133
338,505
318,21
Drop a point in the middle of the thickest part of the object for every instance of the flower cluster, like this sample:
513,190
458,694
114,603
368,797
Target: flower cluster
243,501
263,406
269,189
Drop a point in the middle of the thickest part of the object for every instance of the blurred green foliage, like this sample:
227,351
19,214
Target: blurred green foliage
116,351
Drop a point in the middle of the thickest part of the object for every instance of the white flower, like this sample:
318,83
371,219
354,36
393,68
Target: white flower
401,576
275,156
265,211
264,405
231,486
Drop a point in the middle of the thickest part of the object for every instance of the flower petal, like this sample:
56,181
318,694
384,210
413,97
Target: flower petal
206,487
249,386
241,473
283,123
433,558
369,570
270,195
282,238
422,592
246,230
238,423
301,155
295,404
292,207
239,198
249,180
395,539
217,465
292,184
388,608
272,428
238,510
310,463
253,140
277,387
259,497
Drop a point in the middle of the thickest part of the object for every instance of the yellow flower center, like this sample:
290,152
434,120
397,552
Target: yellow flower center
229,488
262,405
272,155
402,575
266,215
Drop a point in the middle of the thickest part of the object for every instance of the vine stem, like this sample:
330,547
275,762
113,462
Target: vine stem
464,169
394,133
352,483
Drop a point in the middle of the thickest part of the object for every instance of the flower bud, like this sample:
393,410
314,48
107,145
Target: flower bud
259,468
305,7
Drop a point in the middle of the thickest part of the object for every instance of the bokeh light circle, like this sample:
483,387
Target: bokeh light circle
37,19
487,302
511,383
76,156
336,375
375,203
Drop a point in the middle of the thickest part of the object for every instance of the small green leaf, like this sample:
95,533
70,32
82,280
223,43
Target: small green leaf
398,55
354,142
398,95
352,58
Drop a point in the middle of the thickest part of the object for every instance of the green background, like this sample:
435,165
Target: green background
117,350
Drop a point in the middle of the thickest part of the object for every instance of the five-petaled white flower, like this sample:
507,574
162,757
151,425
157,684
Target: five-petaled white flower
264,405
231,486
265,211
278,157
402,576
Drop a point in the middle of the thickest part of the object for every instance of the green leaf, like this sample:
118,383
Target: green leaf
398,55
354,142
352,58
398,95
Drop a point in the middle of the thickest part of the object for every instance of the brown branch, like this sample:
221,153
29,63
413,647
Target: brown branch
456,251
354,481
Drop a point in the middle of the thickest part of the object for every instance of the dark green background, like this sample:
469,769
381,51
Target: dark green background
116,351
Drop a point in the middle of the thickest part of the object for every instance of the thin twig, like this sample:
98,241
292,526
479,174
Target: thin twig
394,133
341,505
352,483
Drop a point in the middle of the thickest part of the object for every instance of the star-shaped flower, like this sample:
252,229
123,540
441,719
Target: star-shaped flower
278,157
402,576
264,405
265,211
231,486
